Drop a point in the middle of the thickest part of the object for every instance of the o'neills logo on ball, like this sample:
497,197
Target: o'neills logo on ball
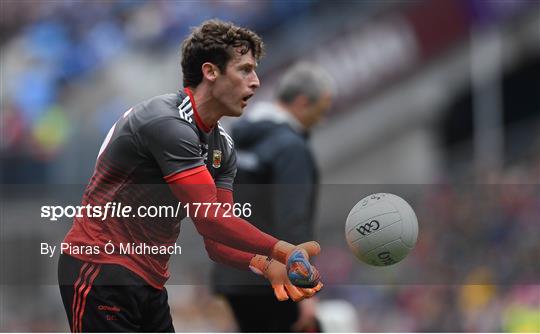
216,159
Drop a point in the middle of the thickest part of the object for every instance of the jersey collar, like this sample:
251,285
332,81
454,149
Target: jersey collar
198,119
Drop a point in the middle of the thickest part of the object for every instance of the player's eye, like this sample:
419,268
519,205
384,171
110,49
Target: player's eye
246,69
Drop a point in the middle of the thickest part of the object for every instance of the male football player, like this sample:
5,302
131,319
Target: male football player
166,150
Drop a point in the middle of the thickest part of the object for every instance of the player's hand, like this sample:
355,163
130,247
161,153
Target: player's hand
300,271
276,273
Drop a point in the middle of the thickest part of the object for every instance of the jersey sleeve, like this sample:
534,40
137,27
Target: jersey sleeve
226,255
174,145
220,253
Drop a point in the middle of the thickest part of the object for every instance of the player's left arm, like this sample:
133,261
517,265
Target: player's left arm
221,253
224,184
197,186
273,270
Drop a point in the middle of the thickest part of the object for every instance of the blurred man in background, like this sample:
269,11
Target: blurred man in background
155,155
273,151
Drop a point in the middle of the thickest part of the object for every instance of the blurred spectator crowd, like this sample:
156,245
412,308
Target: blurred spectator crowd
52,44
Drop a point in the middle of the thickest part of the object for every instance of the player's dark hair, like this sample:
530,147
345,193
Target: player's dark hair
215,41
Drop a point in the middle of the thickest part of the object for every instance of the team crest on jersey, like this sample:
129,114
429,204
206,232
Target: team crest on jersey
216,159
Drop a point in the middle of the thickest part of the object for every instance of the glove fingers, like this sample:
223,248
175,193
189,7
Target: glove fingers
294,292
308,292
318,287
311,247
279,291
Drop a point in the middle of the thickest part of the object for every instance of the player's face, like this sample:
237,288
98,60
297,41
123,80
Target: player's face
237,84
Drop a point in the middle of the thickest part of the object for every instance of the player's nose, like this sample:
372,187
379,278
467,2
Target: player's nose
254,82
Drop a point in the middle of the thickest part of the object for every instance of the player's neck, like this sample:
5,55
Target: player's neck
207,107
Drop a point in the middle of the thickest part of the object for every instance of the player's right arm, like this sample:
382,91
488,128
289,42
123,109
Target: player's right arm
274,271
196,185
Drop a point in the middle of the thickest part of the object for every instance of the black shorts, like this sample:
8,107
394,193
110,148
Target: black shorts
110,298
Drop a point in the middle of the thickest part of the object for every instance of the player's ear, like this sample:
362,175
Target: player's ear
210,71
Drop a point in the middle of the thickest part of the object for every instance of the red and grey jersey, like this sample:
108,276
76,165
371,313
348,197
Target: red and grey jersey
157,138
